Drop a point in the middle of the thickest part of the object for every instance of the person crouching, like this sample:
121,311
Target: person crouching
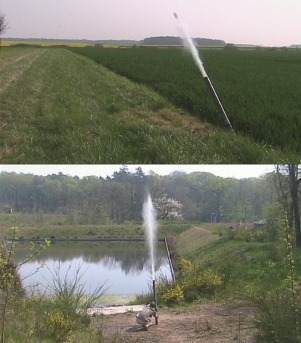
144,316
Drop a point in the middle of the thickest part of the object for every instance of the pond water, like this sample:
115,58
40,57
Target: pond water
124,267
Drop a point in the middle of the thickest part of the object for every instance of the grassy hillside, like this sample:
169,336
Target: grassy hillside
248,261
246,266
60,107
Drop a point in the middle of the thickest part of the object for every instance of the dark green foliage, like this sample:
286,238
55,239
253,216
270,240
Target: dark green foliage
276,321
230,46
260,90
26,45
61,200
171,40
273,290
251,235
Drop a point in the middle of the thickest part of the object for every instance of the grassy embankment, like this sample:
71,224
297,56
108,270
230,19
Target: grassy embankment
53,227
60,107
255,267
241,257
236,259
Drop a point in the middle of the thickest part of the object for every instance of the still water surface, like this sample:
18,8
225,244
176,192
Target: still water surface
124,266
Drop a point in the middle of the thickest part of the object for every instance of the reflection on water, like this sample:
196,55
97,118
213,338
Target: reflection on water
125,267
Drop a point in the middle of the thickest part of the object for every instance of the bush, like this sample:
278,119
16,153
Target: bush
173,295
199,280
58,326
279,317
277,296
59,318
39,319
253,235
230,46
193,282
69,295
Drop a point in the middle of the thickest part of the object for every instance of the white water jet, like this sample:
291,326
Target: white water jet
150,226
194,52
189,44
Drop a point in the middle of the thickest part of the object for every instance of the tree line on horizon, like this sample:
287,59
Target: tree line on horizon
171,40
160,40
119,198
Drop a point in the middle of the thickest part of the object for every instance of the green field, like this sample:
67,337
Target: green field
260,90
60,107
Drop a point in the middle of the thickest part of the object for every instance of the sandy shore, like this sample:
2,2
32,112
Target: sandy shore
114,309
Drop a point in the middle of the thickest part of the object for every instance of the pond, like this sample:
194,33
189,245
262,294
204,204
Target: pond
124,267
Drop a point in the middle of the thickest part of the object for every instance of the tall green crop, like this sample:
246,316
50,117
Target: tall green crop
260,90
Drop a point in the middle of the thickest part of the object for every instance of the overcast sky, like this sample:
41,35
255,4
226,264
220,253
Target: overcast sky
237,171
262,22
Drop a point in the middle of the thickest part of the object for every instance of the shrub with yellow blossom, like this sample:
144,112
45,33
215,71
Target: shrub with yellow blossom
196,281
209,280
58,326
173,295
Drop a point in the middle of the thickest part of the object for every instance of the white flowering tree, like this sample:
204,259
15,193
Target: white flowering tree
168,208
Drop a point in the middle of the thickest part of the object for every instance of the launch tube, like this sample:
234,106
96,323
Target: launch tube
218,102
155,299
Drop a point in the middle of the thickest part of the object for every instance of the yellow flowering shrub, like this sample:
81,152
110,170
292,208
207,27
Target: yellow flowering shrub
185,265
173,295
209,280
59,326
192,283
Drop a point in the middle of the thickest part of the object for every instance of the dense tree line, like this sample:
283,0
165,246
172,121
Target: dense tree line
119,198
171,40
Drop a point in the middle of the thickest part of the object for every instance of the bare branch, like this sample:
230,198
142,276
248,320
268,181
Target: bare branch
3,24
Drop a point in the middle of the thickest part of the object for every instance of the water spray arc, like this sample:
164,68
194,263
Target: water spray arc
199,63
150,225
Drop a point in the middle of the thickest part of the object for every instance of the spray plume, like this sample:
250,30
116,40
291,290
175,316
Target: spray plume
189,44
150,226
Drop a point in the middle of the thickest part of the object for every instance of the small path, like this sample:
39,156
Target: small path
206,323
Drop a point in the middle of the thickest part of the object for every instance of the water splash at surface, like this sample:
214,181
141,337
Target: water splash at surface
150,226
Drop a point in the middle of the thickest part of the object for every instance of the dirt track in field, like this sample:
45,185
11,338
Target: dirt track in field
205,323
